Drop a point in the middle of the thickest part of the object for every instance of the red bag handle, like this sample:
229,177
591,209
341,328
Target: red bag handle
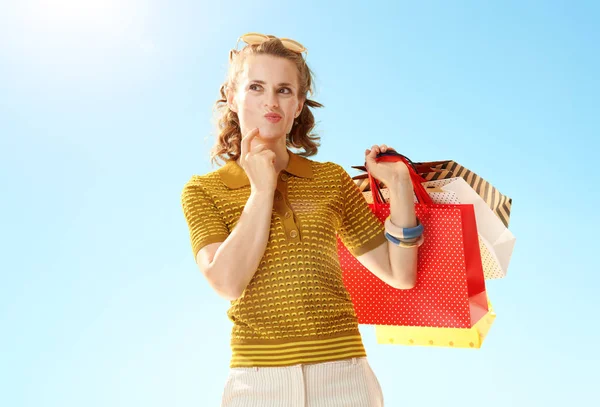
393,156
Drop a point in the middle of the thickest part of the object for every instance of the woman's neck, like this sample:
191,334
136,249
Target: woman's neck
282,158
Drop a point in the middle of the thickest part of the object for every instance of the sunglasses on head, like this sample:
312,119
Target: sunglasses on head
257,38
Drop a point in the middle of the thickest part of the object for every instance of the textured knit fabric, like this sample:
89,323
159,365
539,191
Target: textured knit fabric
296,308
345,383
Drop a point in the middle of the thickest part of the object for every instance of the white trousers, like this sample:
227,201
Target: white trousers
347,383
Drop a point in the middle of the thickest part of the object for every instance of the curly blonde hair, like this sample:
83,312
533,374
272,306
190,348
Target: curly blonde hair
228,144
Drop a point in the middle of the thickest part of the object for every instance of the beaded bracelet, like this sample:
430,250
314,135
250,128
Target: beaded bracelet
403,233
400,243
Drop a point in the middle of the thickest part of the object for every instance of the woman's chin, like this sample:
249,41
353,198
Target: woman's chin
267,133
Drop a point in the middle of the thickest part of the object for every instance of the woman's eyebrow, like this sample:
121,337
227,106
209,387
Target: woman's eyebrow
264,83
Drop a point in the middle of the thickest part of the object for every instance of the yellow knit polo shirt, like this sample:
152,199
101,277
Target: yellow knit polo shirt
296,308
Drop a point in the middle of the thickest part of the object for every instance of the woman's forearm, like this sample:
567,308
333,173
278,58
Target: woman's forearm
238,257
403,260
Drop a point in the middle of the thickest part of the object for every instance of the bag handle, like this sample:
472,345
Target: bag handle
416,180
390,152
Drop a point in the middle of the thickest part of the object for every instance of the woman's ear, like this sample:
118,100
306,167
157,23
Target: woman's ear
231,100
299,110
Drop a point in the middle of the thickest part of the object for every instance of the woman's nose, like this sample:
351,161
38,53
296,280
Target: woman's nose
272,100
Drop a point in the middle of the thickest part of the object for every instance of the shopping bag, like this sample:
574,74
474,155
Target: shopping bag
498,202
450,289
496,242
432,336
435,170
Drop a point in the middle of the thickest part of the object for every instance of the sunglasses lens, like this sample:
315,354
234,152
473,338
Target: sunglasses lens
293,45
253,38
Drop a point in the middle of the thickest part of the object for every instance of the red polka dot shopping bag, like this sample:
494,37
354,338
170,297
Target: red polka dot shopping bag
450,290
496,242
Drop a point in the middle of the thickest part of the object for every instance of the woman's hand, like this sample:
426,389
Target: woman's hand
259,164
386,172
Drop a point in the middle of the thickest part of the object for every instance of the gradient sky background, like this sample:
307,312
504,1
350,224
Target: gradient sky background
106,112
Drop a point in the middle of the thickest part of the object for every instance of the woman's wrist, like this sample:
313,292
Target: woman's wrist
402,210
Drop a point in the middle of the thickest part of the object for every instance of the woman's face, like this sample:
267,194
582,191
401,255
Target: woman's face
267,96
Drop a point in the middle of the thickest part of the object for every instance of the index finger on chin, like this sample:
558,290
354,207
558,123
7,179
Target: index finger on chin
246,140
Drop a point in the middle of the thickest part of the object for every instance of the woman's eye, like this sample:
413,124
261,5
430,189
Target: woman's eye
287,89
254,86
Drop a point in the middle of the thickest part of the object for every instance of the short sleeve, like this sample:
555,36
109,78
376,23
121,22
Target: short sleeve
205,224
360,230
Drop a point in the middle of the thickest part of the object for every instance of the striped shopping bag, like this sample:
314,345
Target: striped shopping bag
499,203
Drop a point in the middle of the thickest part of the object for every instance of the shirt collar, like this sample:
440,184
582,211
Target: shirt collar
234,176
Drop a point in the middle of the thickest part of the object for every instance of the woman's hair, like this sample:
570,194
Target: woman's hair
228,144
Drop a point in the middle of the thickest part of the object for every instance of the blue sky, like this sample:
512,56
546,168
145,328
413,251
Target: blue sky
106,111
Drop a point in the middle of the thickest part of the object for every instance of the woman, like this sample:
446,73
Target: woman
263,231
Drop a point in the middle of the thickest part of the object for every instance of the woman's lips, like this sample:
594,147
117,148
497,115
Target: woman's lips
273,118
